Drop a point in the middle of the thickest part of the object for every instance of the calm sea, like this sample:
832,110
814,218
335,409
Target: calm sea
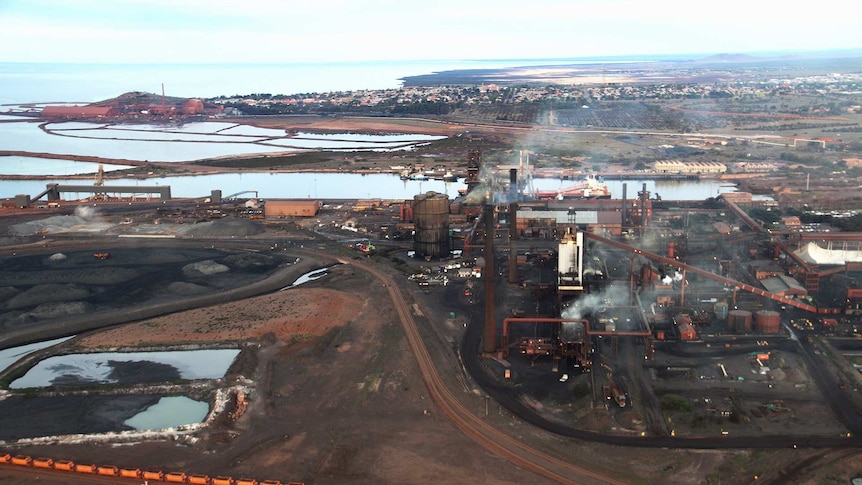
35,82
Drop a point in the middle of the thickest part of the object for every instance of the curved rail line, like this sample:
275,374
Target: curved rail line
471,425
474,427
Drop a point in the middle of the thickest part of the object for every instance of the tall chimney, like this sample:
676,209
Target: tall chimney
513,224
623,218
489,335
513,204
644,197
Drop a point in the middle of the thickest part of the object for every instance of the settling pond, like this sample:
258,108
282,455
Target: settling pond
127,368
28,417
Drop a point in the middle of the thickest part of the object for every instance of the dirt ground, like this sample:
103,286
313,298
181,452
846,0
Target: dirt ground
293,315
338,399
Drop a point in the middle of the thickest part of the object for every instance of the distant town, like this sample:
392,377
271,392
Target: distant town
445,99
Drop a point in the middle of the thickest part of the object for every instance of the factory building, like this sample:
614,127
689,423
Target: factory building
783,285
854,301
280,208
547,224
64,112
685,327
677,166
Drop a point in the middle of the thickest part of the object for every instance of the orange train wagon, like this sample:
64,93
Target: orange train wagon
5,458
82,468
23,460
152,475
222,481
245,481
108,470
64,465
175,477
130,472
199,479
43,463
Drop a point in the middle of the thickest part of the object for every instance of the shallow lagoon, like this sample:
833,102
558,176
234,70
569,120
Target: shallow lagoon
169,412
16,165
177,143
127,368
11,355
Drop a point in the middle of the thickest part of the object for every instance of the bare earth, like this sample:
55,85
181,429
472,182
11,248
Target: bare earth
296,314
338,397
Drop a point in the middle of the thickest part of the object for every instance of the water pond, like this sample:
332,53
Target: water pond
169,412
127,368
11,355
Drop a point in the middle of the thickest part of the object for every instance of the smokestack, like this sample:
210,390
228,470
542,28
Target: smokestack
513,224
513,204
644,197
625,209
489,335
513,263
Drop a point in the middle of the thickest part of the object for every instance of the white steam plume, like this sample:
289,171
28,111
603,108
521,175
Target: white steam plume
589,303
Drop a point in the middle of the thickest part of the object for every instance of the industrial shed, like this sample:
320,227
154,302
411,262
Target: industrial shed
76,111
685,327
278,208
783,285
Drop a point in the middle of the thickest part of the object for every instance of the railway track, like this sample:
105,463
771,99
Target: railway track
471,425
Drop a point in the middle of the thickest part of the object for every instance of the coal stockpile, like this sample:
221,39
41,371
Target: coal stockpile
30,417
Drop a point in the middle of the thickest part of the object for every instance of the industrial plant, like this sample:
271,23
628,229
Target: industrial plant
633,299
636,321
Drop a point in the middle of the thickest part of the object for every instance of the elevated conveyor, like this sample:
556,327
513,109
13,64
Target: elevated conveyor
708,274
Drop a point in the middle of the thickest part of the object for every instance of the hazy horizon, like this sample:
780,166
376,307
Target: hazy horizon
207,31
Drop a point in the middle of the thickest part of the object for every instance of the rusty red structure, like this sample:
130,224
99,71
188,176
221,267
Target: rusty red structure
708,274
569,341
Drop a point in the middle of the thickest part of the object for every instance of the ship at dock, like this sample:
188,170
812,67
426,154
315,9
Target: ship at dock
586,188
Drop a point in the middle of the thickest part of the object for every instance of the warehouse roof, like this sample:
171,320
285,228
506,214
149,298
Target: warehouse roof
76,111
783,285
813,253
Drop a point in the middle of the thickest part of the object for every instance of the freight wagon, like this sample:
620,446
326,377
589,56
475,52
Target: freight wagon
150,475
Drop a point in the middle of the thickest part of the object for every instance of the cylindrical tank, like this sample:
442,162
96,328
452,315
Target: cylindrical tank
431,219
721,309
739,321
767,321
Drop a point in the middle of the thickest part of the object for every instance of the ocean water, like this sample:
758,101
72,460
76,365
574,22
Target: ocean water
87,83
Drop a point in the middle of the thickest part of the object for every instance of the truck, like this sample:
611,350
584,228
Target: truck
618,395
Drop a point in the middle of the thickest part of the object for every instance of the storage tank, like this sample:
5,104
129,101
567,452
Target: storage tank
431,219
721,308
739,321
767,321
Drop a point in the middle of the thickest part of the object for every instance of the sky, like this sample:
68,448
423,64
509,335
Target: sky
206,31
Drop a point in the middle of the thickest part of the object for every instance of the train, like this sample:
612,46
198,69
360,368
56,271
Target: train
136,473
